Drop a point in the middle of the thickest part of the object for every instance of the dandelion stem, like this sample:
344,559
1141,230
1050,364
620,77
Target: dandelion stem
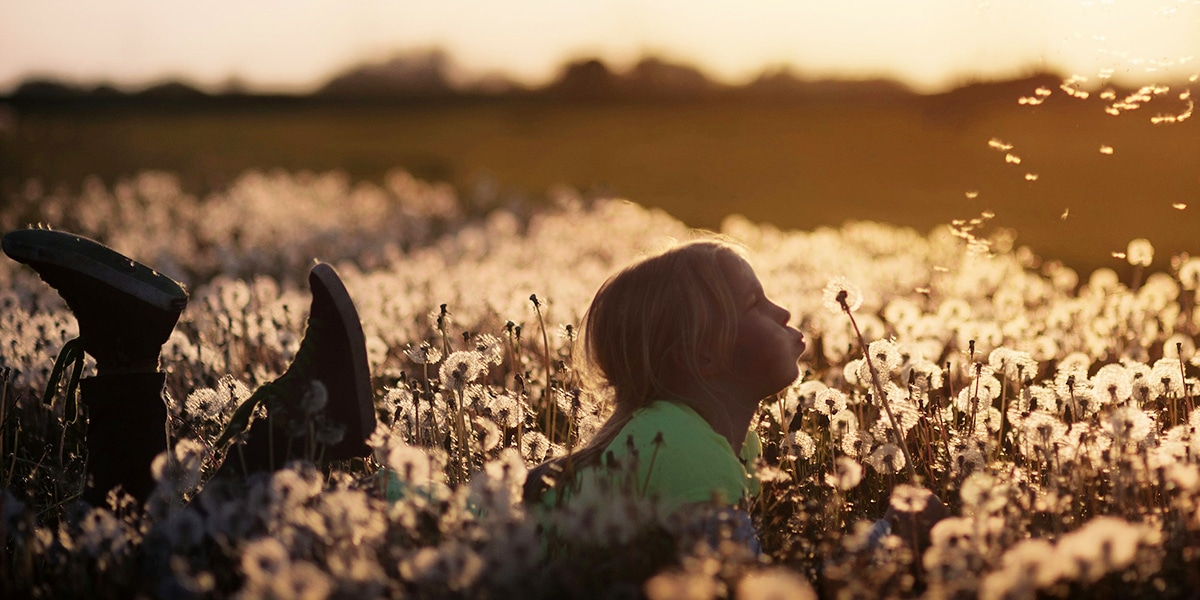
1187,392
461,426
3,416
547,393
657,443
912,473
1003,411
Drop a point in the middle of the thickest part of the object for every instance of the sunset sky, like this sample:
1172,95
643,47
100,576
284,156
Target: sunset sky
293,45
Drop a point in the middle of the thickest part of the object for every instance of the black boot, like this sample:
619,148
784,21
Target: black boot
322,407
125,311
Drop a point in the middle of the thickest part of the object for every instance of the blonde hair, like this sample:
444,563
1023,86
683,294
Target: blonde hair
645,333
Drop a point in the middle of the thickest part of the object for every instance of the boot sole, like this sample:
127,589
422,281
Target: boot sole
324,278
92,259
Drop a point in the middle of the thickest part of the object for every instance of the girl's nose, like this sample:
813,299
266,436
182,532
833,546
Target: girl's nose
784,314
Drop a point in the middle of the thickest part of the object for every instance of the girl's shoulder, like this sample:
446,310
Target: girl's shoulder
666,420
667,429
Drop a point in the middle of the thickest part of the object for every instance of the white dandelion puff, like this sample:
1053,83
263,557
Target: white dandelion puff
847,474
841,295
1140,252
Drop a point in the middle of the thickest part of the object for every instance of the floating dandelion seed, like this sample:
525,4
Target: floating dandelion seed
1176,118
1031,177
1012,158
971,195
1118,255
1106,149
1066,213
841,295
1068,86
1179,206
999,145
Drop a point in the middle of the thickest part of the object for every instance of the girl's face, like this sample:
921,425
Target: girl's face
764,354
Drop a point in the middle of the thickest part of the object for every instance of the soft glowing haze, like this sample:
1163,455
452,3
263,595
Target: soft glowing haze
292,45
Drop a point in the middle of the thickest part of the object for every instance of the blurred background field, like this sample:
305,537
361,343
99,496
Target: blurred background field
795,153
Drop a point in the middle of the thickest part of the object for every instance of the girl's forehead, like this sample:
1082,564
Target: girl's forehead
739,273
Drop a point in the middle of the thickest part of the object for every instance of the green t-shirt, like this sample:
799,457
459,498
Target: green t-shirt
691,464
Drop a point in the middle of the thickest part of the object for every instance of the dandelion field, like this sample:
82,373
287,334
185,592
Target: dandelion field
1053,412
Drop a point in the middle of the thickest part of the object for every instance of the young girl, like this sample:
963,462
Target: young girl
687,344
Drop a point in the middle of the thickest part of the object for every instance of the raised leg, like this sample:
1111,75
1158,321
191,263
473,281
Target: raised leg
125,312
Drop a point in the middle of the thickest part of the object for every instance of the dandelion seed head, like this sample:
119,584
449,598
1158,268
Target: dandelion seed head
887,459
264,559
774,583
857,443
461,368
907,498
830,401
1013,364
410,463
680,585
535,446
886,357
423,354
1140,252
1112,384
1040,433
315,398
1166,377
1189,273
1103,545
490,348
847,474
839,293
1128,424
804,444
982,492
843,422
853,371
303,581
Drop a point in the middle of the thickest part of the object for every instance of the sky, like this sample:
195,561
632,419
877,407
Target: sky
295,45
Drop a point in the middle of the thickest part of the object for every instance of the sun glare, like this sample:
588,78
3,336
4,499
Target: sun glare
928,44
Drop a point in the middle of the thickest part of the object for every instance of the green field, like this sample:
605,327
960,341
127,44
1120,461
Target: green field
798,163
